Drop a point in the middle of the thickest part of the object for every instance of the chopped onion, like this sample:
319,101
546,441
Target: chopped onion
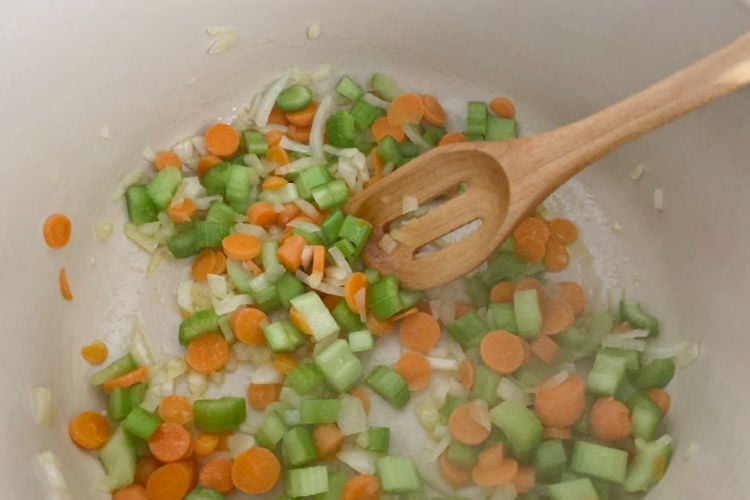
374,100
387,244
104,132
321,287
139,347
340,260
218,285
290,397
307,255
205,202
251,229
325,109
297,147
149,154
360,299
413,134
51,473
268,100
231,303
267,374
184,149
614,297
347,172
360,460
507,390
307,208
313,31
388,168
103,230
185,295
555,380
433,450
427,414
442,364
503,492
616,340
298,165
305,226
216,378
41,397
659,199
335,273
238,443
256,355
314,75
479,412
138,236
197,383
199,144
683,353
352,418
232,363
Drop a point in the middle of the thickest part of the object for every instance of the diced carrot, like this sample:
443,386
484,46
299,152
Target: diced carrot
419,332
299,321
261,213
222,140
207,353
528,284
525,479
503,107
503,292
206,162
166,159
556,257
290,211
452,138
434,114
303,117
463,309
172,481
557,316
176,409
273,137
492,468
170,443
502,351
361,487
95,353
62,281
561,405
354,287
529,248
56,230
318,261
415,369
451,473
131,492
256,471
276,117
247,325
89,430
261,395
469,423
290,252
382,127
609,420
217,474
206,443
532,226
277,155
563,231
465,374
405,109
661,398
299,134
573,294
562,433
144,467
361,394
136,376
327,439
378,327
182,212
240,246
544,348
208,261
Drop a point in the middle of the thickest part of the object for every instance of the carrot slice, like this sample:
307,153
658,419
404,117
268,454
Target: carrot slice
573,294
361,487
171,481
503,292
544,348
284,362
290,252
563,231
206,443
434,114
303,117
206,162
452,138
273,137
217,474
240,246
144,467
556,257
465,374
276,117
382,127
208,261
56,230
89,430
299,134
95,353
502,474
405,109
419,332
557,316
166,159
327,439
525,479
609,420
182,212
415,369
208,353
131,492
261,213
222,140
503,107
176,409
277,155
378,327
247,325
136,376
463,309
562,405
662,399
529,248
532,226
354,285
452,473
502,351
261,395
256,471
170,443
469,422
289,212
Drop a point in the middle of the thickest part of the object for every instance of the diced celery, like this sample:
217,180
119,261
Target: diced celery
319,411
383,298
298,446
528,313
340,367
283,336
650,463
315,313
120,366
599,461
307,481
397,474
578,489
634,314
305,379
503,317
118,457
522,428
469,329
198,324
657,373
389,385
271,431
550,460
361,340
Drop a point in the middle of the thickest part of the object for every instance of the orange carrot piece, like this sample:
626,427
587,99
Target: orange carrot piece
463,309
503,292
502,351
419,332
255,471
556,257
261,213
557,316
662,399
327,439
573,294
240,246
299,134
273,137
182,212
469,422
208,353
208,261
562,405
290,211
529,248
403,314
171,442
532,226
434,114
562,433
451,473
609,420
452,138
136,376
166,159
284,362
247,325
290,252
492,468
382,128
415,369
172,481
465,374
144,467
361,394
563,231
206,162
544,348
406,109
303,117
176,410
222,140
89,430
528,284
355,284
261,395
62,281
206,443
318,261
277,155
95,353
361,487
131,492
56,230
525,479
503,107
217,474
276,117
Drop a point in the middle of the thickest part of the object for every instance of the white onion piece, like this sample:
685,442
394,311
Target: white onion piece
325,109
266,103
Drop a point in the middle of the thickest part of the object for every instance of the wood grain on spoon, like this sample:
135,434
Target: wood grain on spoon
506,180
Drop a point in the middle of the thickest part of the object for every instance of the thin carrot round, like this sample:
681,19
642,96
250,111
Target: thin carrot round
525,480
503,292
303,117
382,127
419,332
415,369
171,481
259,396
56,230
89,430
289,212
405,109
502,474
573,294
62,281
532,226
327,439
240,246
208,261
361,487
170,442
217,474
378,327
452,138
404,314
557,316
95,353
490,457
144,467
247,325
206,162
208,353
261,213
182,212
354,285
469,422
662,399
206,443
255,471
529,248
544,348
299,134
290,252
502,351
136,376
276,117
361,394
222,140
556,257
503,107
277,155
176,409
562,405
451,473
563,231
465,374
609,420
131,492
273,137
166,159
434,114
562,433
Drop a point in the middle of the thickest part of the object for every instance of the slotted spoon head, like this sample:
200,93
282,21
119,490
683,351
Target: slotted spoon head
426,178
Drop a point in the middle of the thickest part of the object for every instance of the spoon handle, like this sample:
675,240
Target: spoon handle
559,154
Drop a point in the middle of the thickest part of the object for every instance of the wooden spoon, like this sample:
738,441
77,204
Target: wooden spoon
507,180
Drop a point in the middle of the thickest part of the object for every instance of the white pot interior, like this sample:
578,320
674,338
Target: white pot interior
141,68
